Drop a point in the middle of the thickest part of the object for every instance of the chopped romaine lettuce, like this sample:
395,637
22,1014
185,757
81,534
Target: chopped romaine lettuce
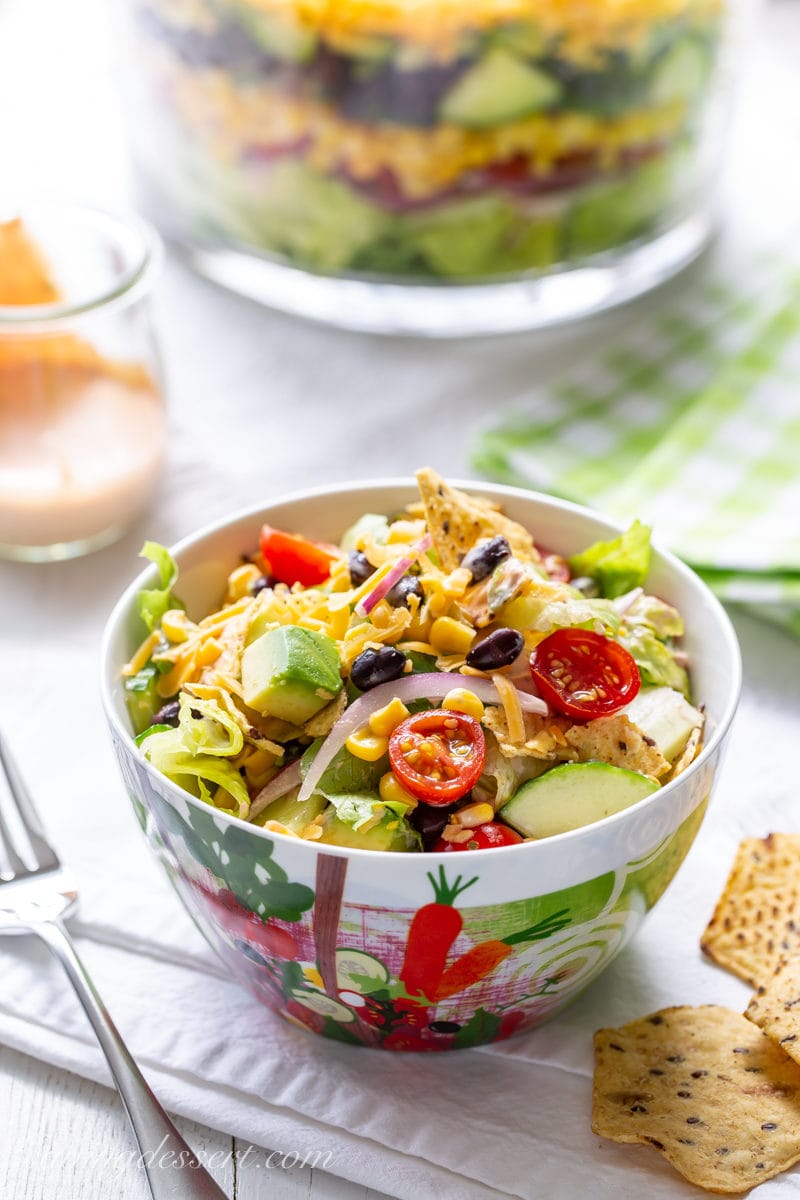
152,603
664,620
207,729
502,776
618,565
655,660
577,613
168,754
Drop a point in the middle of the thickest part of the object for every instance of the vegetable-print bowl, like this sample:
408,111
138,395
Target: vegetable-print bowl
429,951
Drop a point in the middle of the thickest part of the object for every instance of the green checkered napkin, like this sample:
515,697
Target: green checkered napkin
692,423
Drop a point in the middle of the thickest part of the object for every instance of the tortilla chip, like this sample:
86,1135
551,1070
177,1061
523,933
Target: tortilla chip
775,1008
456,521
24,275
706,1089
757,919
618,741
690,751
544,736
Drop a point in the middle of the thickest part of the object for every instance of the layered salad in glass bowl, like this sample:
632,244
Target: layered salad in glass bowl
426,140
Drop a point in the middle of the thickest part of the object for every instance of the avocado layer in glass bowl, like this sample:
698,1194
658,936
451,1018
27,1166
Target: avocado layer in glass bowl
429,141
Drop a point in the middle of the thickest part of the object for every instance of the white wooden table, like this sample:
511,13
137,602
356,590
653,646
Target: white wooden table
59,1135
64,1136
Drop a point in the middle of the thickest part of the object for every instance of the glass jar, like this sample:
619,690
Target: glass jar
432,167
82,424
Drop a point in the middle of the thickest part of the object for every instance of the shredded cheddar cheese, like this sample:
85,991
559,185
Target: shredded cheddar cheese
512,708
231,116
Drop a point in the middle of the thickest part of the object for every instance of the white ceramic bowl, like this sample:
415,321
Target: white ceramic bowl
325,935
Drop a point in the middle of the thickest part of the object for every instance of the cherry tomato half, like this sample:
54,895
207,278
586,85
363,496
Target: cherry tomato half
484,837
294,559
438,755
584,674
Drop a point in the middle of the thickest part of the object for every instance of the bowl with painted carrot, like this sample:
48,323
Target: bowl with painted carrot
418,756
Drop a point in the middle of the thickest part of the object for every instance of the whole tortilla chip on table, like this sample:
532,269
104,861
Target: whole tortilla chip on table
706,1089
456,521
757,919
775,1007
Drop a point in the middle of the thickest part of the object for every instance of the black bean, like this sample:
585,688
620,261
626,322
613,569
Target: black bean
497,650
373,667
429,821
167,714
586,585
408,585
262,583
360,567
444,1026
482,559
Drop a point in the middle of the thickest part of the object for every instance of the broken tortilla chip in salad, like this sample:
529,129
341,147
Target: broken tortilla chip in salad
435,682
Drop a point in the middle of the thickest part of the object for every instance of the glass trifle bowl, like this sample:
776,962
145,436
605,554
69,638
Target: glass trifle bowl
431,166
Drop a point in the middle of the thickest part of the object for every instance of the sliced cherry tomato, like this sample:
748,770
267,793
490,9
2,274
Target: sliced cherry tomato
438,755
295,559
584,674
484,837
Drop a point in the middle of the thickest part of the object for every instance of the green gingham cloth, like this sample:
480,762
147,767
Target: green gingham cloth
691,422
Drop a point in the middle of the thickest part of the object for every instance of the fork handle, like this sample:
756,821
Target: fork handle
173,1170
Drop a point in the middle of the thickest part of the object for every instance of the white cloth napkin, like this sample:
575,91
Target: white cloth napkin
510,1120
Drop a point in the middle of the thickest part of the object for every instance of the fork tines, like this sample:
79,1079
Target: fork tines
24,849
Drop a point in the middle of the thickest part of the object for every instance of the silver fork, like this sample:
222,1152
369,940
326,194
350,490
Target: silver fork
36,894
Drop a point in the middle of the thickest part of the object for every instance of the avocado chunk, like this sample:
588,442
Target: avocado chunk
389,833
290,673
573,795
141,697
681,74
369,525
291,812
665,716
497,89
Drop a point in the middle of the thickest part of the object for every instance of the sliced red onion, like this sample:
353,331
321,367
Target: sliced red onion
623,603
429,686
278,786
365,606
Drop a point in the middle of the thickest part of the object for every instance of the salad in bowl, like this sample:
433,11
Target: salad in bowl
317,704
435,682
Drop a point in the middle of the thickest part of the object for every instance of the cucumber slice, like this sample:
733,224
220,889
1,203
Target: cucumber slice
359,972
665,716
497,89
574,795
681,73
326,1006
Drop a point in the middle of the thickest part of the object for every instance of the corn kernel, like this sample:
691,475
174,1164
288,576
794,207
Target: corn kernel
391,791
474,815
386,719
241,580
366,745
450,636
176,625
464,701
